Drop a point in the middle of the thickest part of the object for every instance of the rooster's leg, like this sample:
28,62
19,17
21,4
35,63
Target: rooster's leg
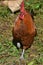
21,57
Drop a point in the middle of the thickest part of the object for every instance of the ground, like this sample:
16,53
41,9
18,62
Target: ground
9,55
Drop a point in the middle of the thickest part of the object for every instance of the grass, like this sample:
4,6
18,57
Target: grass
9,55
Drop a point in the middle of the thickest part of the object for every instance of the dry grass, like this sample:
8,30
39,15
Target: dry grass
9,55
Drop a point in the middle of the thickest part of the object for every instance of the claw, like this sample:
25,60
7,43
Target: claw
21,58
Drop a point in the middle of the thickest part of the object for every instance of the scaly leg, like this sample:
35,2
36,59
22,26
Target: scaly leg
22,55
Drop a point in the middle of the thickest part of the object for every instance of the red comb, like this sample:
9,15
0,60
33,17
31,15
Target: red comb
22,7
22,10
22,4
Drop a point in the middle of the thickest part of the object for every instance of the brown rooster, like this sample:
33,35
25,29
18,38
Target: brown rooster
24,30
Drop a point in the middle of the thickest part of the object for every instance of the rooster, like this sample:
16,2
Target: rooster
24,30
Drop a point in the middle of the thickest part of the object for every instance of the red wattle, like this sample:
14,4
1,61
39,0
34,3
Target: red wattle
21,16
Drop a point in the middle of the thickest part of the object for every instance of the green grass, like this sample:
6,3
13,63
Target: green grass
4,11
9,54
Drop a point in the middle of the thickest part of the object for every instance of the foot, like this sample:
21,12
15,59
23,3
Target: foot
21,58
